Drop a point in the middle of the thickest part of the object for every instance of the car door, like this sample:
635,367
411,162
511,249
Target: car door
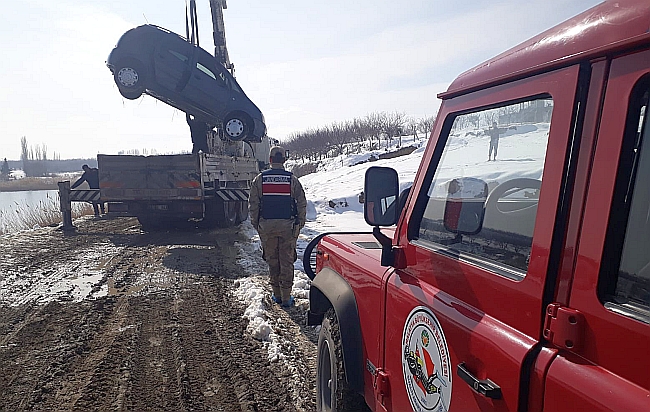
463,318
607,369
207,88
172,64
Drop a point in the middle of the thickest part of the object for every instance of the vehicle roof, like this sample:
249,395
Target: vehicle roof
153,27
606,28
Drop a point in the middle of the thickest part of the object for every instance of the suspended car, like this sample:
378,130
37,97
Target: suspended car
152,60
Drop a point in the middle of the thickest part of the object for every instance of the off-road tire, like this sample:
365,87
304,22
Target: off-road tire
332,391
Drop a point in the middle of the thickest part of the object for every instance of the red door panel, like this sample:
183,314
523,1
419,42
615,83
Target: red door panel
610,370
469,335
488,320
576,386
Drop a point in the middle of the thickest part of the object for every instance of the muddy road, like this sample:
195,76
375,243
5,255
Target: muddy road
115,318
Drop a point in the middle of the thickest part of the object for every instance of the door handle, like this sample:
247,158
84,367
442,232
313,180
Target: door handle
484,387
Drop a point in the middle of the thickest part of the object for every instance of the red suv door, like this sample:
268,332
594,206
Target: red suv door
608,368
463,320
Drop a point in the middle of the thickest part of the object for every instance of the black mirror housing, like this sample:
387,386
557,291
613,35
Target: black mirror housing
381,189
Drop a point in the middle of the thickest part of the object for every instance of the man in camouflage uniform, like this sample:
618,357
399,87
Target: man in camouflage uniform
278,208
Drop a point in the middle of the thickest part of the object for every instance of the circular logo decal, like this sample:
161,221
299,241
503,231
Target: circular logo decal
425,363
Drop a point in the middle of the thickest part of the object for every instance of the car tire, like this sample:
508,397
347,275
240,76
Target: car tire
332,391
237,126
130,78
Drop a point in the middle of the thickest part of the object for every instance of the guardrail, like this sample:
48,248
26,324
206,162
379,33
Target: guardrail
67,196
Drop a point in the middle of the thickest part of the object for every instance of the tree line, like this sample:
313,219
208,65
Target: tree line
353,136
35,158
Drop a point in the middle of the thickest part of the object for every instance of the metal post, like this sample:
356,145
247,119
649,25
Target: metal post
66,205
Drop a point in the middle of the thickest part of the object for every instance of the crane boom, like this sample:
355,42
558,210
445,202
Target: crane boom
219,34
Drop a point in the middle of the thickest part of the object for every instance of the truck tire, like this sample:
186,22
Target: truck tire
149,223
332,392
219,214
229,214
242,212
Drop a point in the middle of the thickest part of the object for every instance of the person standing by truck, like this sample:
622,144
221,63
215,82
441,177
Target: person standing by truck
199,132
278,209
91,176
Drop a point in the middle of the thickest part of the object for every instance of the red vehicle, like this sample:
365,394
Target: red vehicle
520,284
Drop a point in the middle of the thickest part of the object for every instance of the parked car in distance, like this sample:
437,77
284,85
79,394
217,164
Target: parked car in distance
153,60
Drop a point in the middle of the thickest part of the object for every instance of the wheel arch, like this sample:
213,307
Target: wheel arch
329,289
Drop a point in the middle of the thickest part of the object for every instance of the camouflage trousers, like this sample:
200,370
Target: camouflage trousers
279,251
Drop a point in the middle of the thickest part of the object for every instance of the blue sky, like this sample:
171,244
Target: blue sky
304,63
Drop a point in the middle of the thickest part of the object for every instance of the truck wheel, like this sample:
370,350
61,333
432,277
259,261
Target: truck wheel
242,212
229,214
332,392
219,214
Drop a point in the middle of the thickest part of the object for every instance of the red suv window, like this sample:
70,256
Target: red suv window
625,279
492,163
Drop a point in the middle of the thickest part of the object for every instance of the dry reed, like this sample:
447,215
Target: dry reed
21,216
30,183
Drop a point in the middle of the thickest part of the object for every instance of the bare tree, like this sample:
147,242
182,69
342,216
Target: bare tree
412,127
425,125
393,125
4,171
373,126
342,136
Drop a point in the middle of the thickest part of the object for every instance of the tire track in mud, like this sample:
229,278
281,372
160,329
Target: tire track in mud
167,337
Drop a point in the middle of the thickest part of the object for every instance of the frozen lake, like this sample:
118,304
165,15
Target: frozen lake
11,201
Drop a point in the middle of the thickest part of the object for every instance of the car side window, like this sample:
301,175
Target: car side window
179,56
234,86
482,199
206,70
625,275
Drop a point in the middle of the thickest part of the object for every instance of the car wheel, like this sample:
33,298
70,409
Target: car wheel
130,78
237,127
332,392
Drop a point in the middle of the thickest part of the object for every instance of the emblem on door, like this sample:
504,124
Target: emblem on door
425,363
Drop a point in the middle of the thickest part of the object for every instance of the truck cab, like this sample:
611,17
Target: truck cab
515,284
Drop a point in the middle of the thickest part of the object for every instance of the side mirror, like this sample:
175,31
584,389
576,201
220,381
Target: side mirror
465,205
381,190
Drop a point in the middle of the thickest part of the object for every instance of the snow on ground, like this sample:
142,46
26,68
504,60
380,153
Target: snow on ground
72,281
